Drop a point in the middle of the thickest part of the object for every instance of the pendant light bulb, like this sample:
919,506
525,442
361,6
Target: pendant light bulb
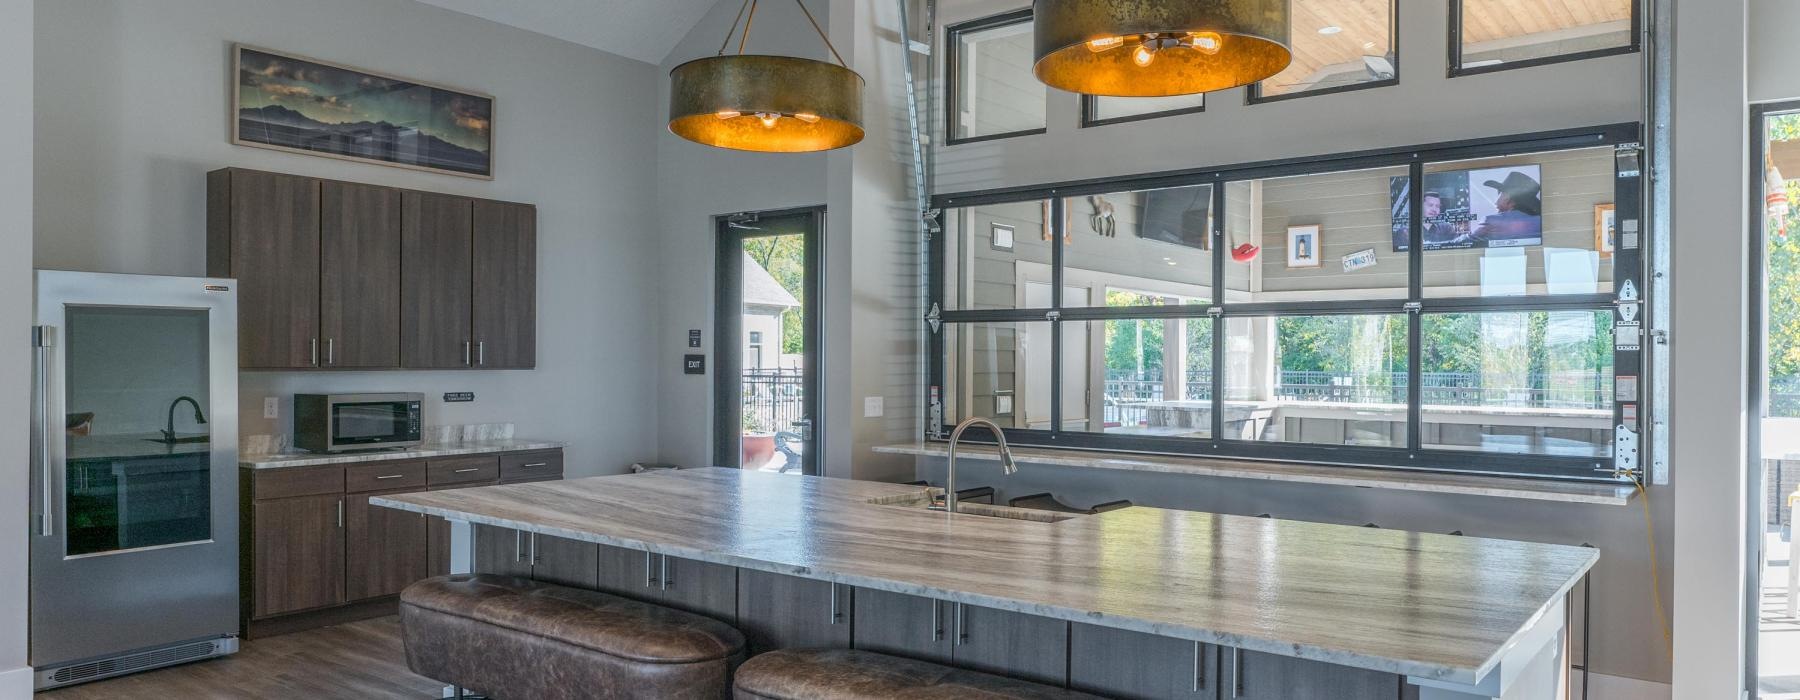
1143,55
1207,43
768,119
1106,44
727,114
807,117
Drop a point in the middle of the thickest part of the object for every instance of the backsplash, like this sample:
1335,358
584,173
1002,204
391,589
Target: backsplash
431,434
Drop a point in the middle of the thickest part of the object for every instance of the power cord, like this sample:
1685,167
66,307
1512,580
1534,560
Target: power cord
1662,616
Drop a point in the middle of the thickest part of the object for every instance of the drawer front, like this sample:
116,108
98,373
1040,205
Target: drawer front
298,481
534,466
463,470
384,476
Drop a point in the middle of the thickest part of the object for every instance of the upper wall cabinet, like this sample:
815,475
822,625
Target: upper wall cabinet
338,275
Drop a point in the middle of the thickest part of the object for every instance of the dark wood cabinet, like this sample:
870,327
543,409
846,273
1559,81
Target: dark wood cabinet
384,548
777,611
505,285
1134,665
359,280
299,554
341,275
626,572
263,229
902,625
564,561
1257,676
436,282
500,551
699,587
1010,644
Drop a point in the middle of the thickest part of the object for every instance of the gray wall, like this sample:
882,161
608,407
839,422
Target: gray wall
132,101
15,313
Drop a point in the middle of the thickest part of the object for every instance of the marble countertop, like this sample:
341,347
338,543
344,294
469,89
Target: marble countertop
308,459
1426,605
1611,494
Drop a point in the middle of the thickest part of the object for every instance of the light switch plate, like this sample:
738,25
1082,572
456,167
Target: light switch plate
271,407
872,406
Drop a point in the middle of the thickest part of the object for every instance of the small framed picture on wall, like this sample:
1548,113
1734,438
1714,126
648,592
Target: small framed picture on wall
1606,229
1303,246
1002,238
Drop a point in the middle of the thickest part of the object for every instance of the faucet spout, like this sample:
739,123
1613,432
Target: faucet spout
199,416
1007,465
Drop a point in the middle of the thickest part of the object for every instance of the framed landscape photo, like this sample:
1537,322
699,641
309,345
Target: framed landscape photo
1605,229
304,105
1303,246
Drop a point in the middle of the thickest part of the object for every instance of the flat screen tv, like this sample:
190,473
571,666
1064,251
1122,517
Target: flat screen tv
1499,207
1179,215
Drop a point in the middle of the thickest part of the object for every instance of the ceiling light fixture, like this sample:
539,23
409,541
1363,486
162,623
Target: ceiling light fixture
1328,31
1158,48
772,104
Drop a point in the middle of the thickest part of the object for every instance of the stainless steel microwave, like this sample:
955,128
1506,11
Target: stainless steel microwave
346,422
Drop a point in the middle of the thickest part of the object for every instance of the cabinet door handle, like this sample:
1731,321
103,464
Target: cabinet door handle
481,353
937,624
663,569
961,626
835,615
1199,668
331,351
466,353
533,464
1237,673
340,513
534,556
313,347
649,573
390,476
465,471
518,545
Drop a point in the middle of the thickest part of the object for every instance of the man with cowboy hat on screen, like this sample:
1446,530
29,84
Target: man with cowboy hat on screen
1519,218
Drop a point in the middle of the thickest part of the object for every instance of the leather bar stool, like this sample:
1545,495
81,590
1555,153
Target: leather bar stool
508,638
850,674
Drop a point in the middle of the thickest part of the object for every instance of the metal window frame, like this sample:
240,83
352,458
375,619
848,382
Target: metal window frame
1456,69
1253,95
951,34
1090,105
1413,455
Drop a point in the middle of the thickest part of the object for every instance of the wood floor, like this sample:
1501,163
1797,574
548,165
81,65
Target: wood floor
355,660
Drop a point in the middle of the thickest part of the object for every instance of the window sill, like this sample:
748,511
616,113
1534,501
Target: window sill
1392,479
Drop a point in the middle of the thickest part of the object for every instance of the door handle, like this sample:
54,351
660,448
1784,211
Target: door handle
466,362
663,561
481,353
1237,673
518,546
42,340
312,345
835,615
937,620
534,556
461,471
389,476
331,351
961,626
806,428
340,513
649,573
1199,668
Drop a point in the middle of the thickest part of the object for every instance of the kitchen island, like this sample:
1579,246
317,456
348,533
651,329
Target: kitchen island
1139,602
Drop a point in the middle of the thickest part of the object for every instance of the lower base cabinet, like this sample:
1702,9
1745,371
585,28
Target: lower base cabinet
901,625
776,611
967,636
384,548
1254,675
1138,666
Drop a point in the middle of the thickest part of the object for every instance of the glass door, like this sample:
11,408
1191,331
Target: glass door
767,342
1774,636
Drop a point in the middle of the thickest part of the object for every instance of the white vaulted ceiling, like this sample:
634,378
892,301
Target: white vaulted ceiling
640,29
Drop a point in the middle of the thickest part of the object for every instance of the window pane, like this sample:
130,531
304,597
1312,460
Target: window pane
995,90
999,371
1149,248
1105,108
1496,32
1301,233
1535,224
1337,43
1537,382
1156,375
997,256
1334,380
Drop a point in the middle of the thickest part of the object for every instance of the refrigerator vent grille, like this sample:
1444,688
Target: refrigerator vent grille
134,662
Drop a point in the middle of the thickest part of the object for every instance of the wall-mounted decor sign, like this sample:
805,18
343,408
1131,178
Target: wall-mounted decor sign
1002,237
1303,246
304,105
1606,229
1359,260
1483,208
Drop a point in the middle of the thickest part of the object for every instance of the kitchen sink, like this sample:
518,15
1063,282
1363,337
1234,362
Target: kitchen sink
933,500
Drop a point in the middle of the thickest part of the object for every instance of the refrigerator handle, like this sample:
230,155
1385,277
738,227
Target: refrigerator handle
42,340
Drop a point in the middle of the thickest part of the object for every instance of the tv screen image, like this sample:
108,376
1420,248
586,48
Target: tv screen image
1179,215
1498,207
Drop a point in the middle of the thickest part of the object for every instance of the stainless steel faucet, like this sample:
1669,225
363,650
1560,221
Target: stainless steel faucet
1006,458
199,418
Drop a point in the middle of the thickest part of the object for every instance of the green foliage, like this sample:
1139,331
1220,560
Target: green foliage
1782,279
785,259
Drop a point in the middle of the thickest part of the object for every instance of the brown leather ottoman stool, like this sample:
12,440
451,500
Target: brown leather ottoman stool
512,638
849,674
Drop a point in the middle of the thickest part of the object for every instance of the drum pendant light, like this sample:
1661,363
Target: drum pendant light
1157,48
774,104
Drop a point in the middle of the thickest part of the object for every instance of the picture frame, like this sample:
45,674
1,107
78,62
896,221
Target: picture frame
1001,237
1606,230
1303,244
298,104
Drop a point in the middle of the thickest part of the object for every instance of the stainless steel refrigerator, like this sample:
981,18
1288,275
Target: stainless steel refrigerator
134,531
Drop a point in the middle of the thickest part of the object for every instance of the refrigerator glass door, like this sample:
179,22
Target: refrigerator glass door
134,530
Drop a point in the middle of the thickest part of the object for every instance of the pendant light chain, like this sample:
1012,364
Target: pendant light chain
733,30
826,39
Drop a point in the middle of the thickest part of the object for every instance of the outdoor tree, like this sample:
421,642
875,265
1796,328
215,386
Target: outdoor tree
784,257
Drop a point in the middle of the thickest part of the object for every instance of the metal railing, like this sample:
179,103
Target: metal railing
772,399
1127,392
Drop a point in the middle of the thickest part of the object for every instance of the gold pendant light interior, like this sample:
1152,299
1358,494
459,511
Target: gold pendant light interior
1158,48
775,104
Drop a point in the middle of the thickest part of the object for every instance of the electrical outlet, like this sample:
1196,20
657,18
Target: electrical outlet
872,406
271,407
